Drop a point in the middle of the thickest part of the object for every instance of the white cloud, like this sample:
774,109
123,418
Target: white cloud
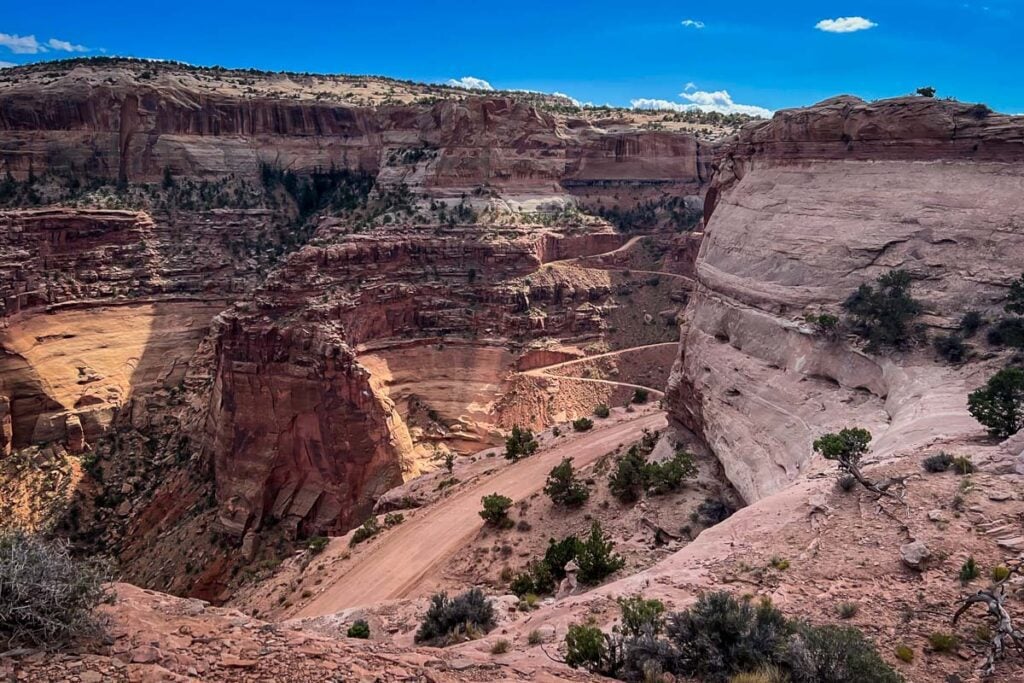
470,82
692,23
720,101
66,46
845,25
21,45
7,65
690,86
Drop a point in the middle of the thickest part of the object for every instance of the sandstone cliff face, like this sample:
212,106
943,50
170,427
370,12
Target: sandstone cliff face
805,208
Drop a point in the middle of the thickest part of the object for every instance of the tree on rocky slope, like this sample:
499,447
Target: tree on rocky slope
563,488
520,443
847,448
882,315
999,405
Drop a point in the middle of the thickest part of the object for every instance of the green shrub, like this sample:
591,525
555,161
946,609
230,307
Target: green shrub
628,479
559,554
369,529
586,646
495,511
393,519
640,616
904,653
602,411
837,654
595,556
462,616
999,405
520,443
317,544
47,598
940,462
970,323
640,395
951,347
882,315
847,610
713,511
500,647
1015,298
720,636
825,324
943,642
962,465
1007,332
582,424
534,638
668,476
1000,573
359,629
563,488
969,570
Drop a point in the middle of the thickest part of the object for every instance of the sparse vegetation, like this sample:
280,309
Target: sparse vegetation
499,647
721,637
47,598
596,557
368,530
951,347
317,544
602,411
463,617
999,405
640,396
904,653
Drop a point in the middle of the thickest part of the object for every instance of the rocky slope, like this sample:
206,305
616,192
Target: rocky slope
803,210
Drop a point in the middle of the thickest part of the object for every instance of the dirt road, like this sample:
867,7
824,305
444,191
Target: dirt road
401,559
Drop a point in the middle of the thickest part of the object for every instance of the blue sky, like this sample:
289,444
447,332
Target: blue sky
768,55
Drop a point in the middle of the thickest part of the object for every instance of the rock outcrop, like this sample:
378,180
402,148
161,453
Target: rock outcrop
805,208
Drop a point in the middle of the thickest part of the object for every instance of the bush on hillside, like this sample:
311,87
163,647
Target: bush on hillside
495,511
520,443
465,616
582,424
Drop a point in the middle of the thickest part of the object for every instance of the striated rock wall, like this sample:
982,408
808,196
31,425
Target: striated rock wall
805,208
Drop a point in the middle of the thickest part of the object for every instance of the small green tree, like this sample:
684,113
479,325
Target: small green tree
999,405
667,476
563,488
520,443
596,557
926,91
602,411
847,448
495,511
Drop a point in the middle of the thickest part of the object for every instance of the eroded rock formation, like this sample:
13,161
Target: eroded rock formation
804,209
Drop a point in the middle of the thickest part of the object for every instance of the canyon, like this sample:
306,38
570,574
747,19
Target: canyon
242,312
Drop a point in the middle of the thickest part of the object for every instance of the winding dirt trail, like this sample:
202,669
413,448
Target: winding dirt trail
398,563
